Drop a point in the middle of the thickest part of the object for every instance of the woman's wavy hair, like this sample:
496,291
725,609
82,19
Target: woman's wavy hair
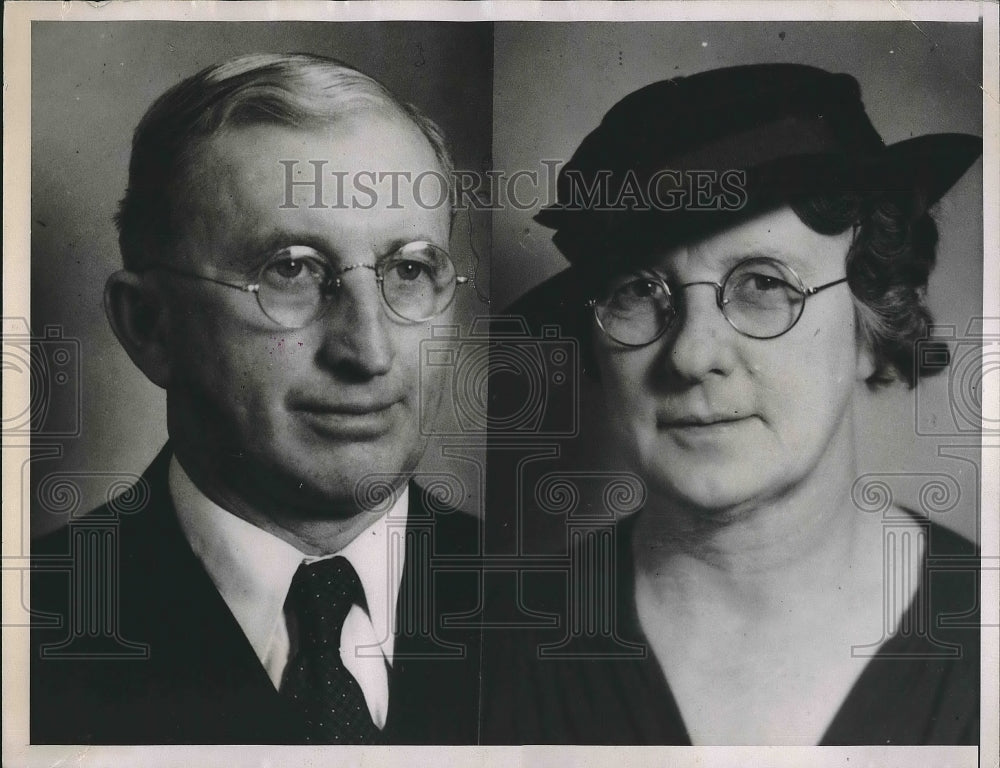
888,265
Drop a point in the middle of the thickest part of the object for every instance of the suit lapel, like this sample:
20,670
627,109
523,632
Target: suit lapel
214,686
434,685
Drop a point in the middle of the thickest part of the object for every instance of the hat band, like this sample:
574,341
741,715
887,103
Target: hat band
763,143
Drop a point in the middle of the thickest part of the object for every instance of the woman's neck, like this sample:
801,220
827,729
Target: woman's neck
756,558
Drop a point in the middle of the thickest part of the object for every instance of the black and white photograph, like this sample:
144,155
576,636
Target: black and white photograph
306,435
777,494
512,380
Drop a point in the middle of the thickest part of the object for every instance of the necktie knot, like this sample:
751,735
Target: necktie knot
320,597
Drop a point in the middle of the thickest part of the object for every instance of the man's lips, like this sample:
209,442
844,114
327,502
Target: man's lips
354,419
360,408
346,400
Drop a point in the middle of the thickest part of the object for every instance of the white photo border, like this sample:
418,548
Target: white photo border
16,302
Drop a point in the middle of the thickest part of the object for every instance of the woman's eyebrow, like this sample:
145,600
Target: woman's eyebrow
725,261
757,252
763,252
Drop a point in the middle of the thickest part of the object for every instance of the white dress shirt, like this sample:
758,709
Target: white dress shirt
253,570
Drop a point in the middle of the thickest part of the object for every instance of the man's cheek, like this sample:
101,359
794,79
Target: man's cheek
423,410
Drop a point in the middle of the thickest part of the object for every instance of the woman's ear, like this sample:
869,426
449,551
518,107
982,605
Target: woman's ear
866,360
137,314
866,363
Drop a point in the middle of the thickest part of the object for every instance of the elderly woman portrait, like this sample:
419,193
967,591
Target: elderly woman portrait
747,257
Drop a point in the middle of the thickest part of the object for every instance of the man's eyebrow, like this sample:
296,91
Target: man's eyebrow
257,251
394,245
278,239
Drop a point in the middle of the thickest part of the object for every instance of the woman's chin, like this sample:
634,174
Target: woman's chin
713,491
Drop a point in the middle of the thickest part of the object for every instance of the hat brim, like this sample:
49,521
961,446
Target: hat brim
927,166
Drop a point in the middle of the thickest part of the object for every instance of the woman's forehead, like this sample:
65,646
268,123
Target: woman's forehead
777,234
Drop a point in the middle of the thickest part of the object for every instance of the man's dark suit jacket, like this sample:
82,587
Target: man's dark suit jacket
192,676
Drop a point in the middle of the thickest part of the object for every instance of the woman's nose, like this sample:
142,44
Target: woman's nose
699,340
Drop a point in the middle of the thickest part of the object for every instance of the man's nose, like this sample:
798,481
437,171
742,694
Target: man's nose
699,342
357,335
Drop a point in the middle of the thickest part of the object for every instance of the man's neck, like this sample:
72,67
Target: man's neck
313,531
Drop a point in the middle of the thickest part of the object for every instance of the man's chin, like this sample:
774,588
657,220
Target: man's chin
355,477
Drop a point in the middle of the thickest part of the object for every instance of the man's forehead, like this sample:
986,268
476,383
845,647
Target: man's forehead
346,188
347,155
365,139
370,160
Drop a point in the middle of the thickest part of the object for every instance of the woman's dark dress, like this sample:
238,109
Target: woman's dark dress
921,687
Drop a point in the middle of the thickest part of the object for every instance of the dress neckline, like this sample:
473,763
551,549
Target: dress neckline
877,674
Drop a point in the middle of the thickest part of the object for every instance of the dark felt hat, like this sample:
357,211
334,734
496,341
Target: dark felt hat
683,156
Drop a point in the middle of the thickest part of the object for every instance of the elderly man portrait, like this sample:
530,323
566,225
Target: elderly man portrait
271,581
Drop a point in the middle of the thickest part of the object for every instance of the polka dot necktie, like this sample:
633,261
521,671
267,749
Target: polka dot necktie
325,696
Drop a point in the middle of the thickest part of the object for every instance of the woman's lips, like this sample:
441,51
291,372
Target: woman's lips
703,428
698,421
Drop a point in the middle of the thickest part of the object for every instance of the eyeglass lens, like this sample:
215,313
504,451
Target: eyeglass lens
417,282
760,297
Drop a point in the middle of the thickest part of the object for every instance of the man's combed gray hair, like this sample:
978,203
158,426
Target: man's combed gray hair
297,90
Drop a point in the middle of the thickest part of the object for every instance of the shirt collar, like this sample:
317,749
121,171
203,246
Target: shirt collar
253,569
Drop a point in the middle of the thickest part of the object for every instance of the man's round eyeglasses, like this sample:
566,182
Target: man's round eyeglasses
296,284
760,297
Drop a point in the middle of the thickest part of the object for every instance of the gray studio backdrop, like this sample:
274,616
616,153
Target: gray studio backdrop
554,82
91,83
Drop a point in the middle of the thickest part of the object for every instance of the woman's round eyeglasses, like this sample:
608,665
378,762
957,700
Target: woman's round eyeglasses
296,284
760,297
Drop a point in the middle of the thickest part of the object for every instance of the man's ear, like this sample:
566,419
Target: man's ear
137,315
